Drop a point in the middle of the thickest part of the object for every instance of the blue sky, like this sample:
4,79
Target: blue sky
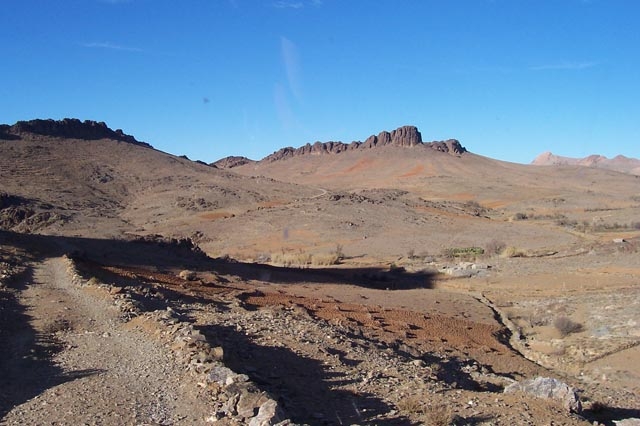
210,78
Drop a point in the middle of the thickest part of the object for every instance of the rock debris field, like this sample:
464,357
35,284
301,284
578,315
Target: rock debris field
93,343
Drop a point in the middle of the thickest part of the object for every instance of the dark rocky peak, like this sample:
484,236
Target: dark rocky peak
405,136
450,146
402,136
69,128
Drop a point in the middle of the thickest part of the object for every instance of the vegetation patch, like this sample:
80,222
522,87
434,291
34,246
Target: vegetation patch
511,251
439,415
465,252
301,258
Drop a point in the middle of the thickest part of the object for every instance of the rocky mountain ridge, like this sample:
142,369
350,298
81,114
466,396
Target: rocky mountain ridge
70,128
405,136
618,163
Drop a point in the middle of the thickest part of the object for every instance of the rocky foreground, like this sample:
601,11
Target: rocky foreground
113,344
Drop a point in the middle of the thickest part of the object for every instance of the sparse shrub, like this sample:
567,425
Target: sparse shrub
411,405
600,226
537,320
438,415
262,258
464,252
425,256
553,216
564,221
291,259
494,247
339,252
520,216
567,326
93,281
411,254
325,259
303,259
511,251
56,326
447,253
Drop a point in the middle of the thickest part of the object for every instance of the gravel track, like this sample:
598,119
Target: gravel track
101,372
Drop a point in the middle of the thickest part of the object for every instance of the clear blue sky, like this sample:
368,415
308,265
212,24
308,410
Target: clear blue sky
210,78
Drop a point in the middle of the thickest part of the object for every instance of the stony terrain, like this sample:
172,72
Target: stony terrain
398,284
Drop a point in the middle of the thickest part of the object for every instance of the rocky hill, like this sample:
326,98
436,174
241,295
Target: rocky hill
69,175
405,136
231,162
618,163
70,128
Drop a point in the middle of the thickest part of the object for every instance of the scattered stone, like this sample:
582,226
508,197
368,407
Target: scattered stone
268,414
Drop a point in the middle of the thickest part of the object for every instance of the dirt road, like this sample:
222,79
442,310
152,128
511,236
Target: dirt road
75,361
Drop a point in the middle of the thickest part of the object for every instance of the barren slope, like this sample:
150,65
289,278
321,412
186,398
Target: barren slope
389,200
109,187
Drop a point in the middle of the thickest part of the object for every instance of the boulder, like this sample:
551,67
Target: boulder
268,414
549,388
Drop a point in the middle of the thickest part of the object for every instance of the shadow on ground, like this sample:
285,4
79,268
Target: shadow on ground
305,387
609,415
170,254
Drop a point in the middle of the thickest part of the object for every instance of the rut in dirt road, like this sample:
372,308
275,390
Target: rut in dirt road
78,361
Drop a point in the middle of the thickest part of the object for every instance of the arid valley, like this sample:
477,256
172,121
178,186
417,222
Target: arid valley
391,281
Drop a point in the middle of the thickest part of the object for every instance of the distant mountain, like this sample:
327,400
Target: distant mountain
405,136
619,163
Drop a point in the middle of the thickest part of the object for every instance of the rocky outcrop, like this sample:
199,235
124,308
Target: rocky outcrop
619,163
231,162
402,136
405,136
450,146
69,128
23,215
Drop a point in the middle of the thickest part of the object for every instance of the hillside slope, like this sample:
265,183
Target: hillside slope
68,182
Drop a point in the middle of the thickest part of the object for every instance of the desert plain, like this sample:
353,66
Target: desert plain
391,281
